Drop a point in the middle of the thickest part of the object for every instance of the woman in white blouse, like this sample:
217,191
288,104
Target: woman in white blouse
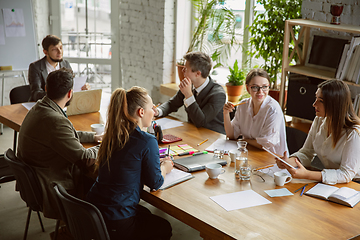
258,119
334,137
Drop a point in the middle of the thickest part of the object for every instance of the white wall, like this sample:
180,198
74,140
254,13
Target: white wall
147,43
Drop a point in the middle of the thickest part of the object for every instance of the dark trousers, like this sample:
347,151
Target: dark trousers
144,225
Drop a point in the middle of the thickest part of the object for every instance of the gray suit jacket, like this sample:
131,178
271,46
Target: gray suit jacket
37,77
48,142
206,112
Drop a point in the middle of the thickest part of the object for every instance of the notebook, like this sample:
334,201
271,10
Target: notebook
174,177
197,163
85,102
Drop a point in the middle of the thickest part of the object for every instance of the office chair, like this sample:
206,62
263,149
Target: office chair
295,139
29,185
19,94
6,175
83,219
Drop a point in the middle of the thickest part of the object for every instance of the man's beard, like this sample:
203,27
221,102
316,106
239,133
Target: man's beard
55,60
68,102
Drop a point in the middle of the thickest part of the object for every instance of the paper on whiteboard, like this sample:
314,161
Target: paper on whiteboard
14,22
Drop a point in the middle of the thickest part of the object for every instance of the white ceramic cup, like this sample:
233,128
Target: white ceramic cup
98,128
281,178
214,170
232,155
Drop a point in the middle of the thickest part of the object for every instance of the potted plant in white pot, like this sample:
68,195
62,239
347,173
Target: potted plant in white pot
236,81
214,24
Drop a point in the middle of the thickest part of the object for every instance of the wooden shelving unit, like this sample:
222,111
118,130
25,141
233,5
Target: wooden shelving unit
305,32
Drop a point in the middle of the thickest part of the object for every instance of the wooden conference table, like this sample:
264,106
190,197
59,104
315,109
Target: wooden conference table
290,217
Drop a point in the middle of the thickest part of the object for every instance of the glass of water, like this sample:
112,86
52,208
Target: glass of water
245,170
219,153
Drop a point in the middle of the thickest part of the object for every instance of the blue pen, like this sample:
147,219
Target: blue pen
302,191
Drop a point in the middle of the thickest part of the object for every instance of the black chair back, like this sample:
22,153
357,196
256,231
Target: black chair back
20,94
27,181
28,184
6,175
84,219
295,139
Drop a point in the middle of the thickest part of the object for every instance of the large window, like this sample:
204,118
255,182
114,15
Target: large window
86,36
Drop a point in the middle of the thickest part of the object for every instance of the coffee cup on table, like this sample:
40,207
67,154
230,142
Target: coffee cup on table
281,178
214,170
98,128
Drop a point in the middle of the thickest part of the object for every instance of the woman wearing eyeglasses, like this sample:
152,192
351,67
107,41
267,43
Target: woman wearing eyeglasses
334,137
259,119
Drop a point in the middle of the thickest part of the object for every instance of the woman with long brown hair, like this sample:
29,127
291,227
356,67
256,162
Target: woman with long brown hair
128,159
334,137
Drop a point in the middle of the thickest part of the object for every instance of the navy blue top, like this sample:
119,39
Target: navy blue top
116,192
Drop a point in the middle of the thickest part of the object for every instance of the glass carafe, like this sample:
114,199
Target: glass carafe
242,167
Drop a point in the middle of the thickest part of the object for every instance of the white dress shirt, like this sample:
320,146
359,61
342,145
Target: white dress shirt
50,68
342,163
190,100
267,127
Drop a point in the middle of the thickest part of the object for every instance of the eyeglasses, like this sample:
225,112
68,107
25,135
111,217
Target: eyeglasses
257,88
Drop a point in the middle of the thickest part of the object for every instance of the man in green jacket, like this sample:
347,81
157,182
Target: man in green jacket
49,142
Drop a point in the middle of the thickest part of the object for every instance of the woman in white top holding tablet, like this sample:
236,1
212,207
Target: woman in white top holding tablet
334,136
258,119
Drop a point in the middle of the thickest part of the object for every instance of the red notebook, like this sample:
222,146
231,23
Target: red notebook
168,138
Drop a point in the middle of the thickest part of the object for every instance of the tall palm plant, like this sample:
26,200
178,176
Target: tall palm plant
215,23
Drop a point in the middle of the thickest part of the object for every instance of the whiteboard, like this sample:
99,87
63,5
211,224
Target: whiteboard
19,52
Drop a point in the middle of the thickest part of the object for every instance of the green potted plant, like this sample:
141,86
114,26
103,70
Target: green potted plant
267,34
213,23
236,81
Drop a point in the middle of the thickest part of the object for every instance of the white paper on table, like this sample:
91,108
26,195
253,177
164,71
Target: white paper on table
28,105
79,82
279,192
222,144
239,200
166,123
